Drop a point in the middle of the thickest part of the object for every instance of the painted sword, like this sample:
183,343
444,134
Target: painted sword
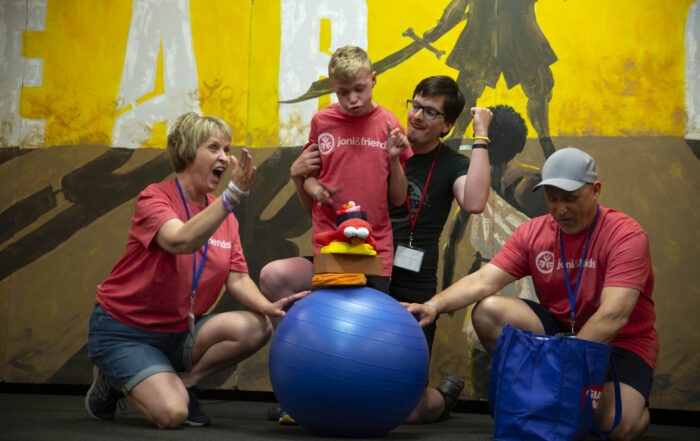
323,87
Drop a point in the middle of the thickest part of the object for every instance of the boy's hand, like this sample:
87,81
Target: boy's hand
324,196
396,141
307,164
318,192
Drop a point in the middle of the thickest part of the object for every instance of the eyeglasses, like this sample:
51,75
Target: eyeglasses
428,112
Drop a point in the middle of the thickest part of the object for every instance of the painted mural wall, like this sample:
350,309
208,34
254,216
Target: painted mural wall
88,89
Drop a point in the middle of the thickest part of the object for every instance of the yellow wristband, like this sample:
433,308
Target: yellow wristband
482,138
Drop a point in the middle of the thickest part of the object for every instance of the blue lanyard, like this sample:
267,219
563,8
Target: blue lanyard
196,273
572,295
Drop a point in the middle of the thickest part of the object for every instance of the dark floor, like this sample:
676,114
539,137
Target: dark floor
38,417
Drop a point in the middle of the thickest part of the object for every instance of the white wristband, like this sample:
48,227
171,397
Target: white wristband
238,191
434,306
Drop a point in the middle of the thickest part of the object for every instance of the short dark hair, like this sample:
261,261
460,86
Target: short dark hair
508,134
442,85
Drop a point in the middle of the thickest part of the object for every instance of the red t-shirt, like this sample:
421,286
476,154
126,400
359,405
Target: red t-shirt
618,256
150,288
354,156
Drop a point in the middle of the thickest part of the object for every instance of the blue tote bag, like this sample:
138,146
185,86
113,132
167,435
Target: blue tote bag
547,387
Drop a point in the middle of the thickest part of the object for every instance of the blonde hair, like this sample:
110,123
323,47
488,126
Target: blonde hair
347,61
188,132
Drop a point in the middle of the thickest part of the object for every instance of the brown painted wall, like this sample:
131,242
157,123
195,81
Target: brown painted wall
65,212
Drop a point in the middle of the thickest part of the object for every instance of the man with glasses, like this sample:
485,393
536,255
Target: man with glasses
436,175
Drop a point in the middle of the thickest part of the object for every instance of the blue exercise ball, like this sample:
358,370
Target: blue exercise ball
349,362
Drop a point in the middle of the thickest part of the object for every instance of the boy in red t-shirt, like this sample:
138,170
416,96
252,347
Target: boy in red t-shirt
355,151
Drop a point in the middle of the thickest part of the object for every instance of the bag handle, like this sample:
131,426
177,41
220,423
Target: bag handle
495,364
602,434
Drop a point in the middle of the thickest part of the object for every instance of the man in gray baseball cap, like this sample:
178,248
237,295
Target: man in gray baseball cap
568,169
580,250
570,175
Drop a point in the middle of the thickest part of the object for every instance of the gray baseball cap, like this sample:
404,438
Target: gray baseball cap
568,168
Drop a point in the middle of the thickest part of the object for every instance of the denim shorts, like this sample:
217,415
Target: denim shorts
128,355
631,369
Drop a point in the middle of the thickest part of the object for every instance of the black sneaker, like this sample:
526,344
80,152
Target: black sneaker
195,417
450,387
101,399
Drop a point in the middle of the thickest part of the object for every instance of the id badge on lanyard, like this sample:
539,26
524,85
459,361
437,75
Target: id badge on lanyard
408,258
190,320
